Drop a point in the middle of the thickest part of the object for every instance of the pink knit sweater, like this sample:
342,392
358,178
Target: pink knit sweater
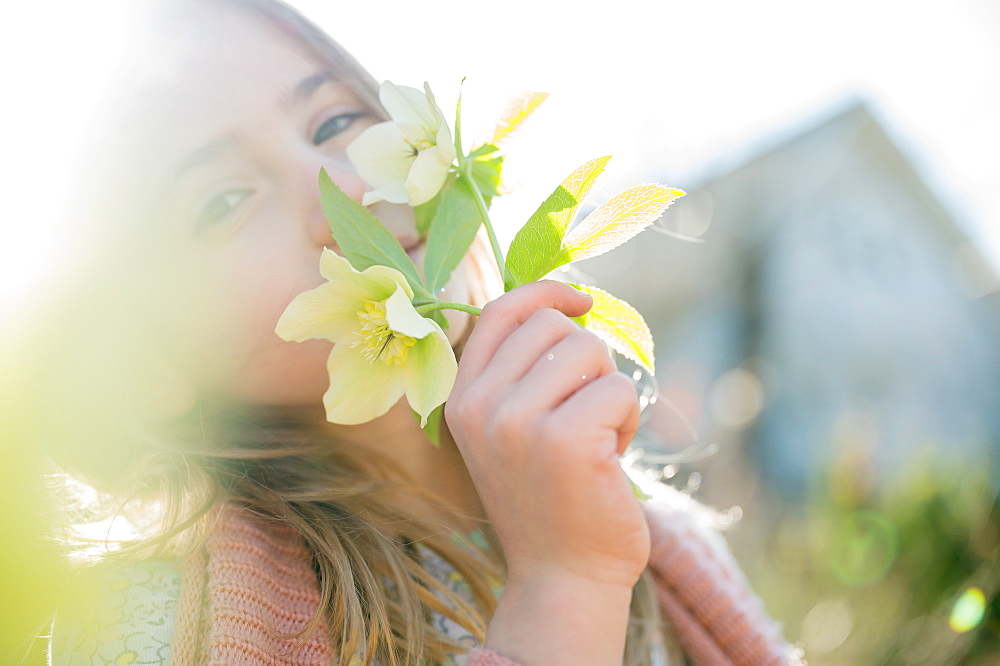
253,583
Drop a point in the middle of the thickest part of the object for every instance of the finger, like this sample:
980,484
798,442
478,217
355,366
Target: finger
502,316
533,339
575,361
608,402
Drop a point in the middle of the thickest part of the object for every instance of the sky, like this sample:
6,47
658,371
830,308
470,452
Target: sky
679,91
675,91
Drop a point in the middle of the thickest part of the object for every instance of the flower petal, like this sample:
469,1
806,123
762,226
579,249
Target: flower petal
381,154
415,135
359,389
407,159
381,281
403,318
428,174
432,104
407,105
330,312
429,374
442,138
393,193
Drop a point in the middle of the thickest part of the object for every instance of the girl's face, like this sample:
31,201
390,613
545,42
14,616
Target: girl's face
241,123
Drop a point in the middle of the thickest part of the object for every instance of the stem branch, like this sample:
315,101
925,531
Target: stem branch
445,305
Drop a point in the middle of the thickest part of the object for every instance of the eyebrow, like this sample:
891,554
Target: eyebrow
307,86
205,154
225,142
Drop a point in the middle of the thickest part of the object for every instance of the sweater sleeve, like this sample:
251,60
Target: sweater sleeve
481,657
704,594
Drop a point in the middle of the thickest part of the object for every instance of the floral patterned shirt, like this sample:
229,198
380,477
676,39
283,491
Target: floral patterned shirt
129,621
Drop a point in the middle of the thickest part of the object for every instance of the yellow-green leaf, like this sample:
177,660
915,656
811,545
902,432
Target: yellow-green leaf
362,238
537,247
515,114
617,220
620,325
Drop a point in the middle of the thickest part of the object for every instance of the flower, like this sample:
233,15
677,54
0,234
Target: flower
383,348
405,160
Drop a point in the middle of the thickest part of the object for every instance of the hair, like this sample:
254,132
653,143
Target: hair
345,503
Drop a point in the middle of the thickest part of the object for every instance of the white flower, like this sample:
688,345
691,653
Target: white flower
406,159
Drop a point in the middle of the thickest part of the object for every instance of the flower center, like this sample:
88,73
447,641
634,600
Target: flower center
418,145
378,341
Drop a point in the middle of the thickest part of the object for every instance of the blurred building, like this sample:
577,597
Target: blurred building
833,308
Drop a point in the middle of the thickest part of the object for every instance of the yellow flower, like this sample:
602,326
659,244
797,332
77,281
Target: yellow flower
405,160
383,348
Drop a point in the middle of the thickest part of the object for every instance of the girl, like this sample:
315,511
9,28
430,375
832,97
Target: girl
278,537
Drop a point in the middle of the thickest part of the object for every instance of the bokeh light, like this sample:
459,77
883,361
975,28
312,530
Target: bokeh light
968,611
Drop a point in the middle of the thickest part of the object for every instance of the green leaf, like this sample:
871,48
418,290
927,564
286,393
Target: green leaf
617,220
362,238
433,428
515,114
537,247
438,317
483,150
452,232
620,325
486,173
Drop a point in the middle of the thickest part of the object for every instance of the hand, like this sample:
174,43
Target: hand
541,417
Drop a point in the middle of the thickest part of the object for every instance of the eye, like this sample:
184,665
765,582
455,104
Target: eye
220,207
334,126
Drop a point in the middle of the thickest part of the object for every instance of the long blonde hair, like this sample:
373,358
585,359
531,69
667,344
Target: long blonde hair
355,512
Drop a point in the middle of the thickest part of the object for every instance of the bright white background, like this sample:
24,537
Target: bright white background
674,90
679,89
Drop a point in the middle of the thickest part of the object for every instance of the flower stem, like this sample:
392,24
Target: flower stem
484,213
445,305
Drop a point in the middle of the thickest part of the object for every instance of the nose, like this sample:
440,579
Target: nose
397,218
344,177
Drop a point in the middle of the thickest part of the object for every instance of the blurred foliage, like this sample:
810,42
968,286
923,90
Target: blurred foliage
35,579
905,571
34,576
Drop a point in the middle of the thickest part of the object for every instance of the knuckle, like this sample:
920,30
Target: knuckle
620,384
593,347
555,286
548,317
510,422
473,405
494,308
591,341
620,390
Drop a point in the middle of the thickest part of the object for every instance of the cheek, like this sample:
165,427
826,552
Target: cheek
283,373
197,320
222,314
270,370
